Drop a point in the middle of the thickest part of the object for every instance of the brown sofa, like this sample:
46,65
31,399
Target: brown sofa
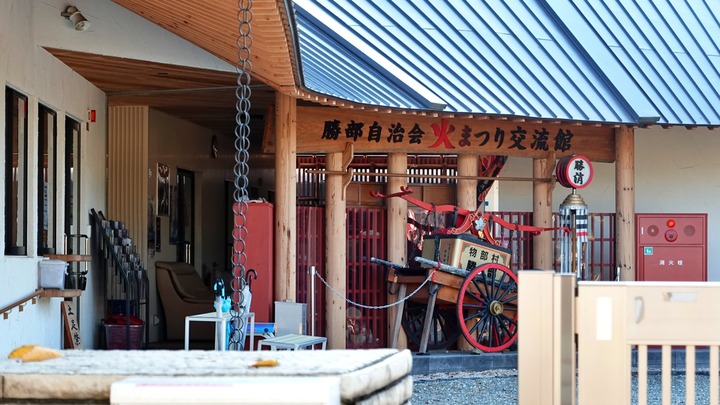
183,293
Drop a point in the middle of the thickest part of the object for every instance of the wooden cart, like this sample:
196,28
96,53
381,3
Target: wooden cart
470,287
470,291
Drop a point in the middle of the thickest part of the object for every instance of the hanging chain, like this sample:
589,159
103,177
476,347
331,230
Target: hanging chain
240,193
348,300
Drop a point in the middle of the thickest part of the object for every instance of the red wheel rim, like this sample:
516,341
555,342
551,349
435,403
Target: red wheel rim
487,307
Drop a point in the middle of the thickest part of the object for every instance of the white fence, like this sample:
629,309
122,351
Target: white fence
607,323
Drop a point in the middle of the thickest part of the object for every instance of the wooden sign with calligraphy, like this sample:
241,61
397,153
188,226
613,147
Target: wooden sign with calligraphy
72,327
327,129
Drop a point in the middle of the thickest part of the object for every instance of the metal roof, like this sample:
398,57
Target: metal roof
613,61
662,55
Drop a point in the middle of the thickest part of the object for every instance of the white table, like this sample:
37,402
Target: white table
220,321
293,342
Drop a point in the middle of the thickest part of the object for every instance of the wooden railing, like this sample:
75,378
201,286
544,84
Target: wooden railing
20,304
33,297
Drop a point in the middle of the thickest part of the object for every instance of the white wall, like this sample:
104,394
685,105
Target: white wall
26,28
182,144
116,31
32,71
676,171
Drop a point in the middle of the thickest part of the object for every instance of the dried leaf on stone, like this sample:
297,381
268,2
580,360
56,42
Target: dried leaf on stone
265,363
28,353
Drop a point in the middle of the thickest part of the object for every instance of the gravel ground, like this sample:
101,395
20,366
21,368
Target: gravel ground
481,387
499,387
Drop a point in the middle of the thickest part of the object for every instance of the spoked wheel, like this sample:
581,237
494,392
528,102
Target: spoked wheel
443,333
487,307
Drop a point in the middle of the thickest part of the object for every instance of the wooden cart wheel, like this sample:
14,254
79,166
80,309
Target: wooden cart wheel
487,307
443,333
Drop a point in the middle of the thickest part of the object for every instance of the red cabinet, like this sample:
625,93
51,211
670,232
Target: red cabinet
259,241
671,247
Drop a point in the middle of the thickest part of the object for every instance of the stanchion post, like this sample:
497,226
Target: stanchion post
312,300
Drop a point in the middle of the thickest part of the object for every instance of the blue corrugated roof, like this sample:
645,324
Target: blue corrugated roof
614,61
662,55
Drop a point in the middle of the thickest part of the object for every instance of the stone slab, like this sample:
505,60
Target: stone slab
89,374
445,362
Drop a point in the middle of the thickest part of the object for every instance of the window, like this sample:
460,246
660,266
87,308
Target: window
16,173
47,180
72,186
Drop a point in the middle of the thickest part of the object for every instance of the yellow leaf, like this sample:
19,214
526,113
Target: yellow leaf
34,353
265,363
20,351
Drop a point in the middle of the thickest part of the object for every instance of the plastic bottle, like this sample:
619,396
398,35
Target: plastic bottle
218,304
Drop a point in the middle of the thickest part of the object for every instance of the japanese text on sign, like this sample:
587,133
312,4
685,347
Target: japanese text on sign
72,329
446,136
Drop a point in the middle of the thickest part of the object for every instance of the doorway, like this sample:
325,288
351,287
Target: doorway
185,216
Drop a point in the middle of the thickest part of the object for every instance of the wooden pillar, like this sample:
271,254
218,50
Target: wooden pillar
542,213
285,195
397,213
466,195
335,253
625,202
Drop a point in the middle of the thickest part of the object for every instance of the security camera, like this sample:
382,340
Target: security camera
80,23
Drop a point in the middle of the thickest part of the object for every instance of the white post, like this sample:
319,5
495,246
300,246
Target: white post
312,300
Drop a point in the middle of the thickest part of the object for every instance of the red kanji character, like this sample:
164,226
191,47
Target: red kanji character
442,134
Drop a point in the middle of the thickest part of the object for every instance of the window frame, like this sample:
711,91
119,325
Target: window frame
47,145
16,209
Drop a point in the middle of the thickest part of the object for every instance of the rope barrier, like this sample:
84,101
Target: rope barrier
357,304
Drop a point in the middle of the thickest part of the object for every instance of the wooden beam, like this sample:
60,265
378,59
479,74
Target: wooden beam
285,203
542,212
397,214
347,159
429,176
625,203
335,255
467,168
466,196
327,130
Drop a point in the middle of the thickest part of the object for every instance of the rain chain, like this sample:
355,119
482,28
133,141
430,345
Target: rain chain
240,193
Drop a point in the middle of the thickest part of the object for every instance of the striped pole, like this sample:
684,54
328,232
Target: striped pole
573,252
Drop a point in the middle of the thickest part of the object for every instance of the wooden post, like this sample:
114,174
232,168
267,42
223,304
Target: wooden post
467,198
546,362
625,202
285,193
467,165
542,213
604,316
335,254
397,213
